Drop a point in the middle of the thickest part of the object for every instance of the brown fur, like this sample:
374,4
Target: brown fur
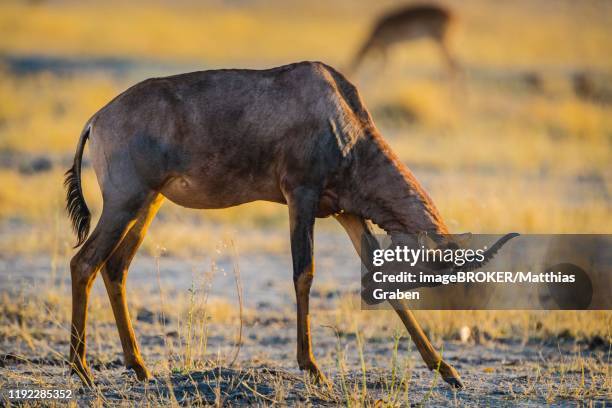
297,134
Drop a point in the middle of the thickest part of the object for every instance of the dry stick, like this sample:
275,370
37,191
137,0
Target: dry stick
162,326
340,356
238,280
257,393
55,251
188,363
161,294
206,288
218,380
364,389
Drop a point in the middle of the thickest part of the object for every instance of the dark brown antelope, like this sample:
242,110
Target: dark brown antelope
298,135
407,24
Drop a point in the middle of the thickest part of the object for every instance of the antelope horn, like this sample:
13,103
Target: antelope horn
488,255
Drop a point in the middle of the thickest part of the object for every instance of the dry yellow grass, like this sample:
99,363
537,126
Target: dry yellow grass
495,155
523,33
498,324
38,339
44,112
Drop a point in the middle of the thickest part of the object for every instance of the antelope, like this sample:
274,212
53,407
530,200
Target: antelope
298,134
585,88
407,24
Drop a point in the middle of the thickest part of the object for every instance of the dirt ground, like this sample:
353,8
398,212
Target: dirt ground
188,335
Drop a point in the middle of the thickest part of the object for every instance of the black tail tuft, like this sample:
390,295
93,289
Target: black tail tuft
76,206
75,202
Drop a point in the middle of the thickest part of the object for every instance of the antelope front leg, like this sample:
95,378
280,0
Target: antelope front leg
358,229
432,358
302,204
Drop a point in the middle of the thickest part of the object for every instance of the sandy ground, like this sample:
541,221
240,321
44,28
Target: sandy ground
500,371
496,374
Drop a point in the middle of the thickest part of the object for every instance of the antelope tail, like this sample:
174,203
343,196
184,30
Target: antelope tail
75,202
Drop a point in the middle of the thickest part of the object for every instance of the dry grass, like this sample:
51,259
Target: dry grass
492,152
187,340
221,34
495,154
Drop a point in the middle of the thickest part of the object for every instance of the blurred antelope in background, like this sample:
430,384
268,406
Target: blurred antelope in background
587,89
406,24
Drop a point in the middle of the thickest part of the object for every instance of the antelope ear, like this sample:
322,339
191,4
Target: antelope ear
463,240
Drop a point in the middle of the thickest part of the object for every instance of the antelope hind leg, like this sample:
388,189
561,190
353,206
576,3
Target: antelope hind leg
113,224
115,273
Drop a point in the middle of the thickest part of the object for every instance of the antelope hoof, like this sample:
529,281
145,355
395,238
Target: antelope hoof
316,374
141,371
83,372
450,375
